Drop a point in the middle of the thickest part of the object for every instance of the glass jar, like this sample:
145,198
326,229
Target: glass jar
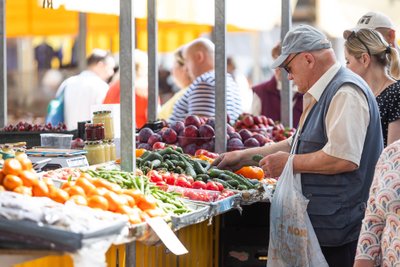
9,149
113,150
95,152
94,131
107,150
97,117
105,117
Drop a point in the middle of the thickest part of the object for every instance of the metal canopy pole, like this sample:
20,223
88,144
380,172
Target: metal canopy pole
220,76
152,56
286,93
127,77
3,65
82,41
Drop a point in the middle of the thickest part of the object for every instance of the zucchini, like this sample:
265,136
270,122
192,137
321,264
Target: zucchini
242,187
233,183
224,183
240,179
152,156
214,172
198,168
202,177
257,158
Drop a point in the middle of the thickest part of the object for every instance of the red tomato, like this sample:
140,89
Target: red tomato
159,145
181,181
212,186
154,176
199,185
162,185
220,186
206,153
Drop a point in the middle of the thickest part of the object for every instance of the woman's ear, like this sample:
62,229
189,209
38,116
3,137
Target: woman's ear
365,59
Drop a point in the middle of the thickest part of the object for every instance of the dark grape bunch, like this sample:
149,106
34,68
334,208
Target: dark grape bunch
28,127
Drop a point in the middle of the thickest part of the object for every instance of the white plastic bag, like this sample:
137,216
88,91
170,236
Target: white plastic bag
292,240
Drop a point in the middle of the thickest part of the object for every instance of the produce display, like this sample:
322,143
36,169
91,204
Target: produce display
28,127
257,126
196,133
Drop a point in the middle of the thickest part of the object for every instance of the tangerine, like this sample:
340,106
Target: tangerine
59,195
24,190
98,202
29,178
114,201
2,175
40,189
75,190
67,185
85,184
2,189
100,191
106,184
79,200
11,181
12,166
25,163
129,199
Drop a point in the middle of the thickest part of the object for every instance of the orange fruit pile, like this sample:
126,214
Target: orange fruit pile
17,175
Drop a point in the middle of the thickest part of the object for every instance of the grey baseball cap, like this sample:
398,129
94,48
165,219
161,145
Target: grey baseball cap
301,38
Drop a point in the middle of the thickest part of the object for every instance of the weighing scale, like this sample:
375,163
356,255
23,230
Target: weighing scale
59,158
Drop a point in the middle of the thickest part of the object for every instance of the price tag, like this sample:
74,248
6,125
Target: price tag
77,162
167,236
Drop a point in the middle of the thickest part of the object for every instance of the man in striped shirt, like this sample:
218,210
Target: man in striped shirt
199,99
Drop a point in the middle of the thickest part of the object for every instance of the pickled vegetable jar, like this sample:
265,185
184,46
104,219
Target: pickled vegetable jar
95,152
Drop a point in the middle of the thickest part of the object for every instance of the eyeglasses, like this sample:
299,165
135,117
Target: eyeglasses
354,35
286,66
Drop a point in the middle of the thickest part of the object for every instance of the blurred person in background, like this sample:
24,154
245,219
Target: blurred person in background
246,93
182,80
369,55
378,244
381,23
141,89
86,89
199,99
267,95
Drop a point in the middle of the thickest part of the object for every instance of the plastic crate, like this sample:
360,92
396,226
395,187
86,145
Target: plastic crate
31,138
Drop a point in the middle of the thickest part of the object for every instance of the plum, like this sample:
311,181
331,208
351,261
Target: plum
229,128
245,134
235,135
234,144
159,145
248,120
144,134
144,145
170,136
190,149
191,131
260,138
206,131
258,120
209,146
154,138
178,126
184,141
251,142
192,120
211,122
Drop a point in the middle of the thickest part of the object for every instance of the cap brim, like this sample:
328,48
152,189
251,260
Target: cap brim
279,61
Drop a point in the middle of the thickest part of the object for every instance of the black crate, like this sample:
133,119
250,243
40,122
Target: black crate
31,138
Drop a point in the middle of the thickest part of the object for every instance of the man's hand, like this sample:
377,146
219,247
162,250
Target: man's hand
231,161
274,164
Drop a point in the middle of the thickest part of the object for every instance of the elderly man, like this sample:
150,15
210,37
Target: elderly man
199,99
336,147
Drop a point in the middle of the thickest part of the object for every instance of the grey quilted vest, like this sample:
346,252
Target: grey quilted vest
337,202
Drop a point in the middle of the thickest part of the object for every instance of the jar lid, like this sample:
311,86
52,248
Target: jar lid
91,143
96,112
94,125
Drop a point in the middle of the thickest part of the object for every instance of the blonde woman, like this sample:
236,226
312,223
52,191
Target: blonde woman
182,80
370,56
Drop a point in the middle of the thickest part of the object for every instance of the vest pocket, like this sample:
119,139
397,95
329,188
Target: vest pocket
307,144
327,212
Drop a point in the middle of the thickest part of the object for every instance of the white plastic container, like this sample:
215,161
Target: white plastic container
56,140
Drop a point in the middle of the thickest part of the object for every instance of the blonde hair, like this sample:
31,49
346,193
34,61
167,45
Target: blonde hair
372,42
